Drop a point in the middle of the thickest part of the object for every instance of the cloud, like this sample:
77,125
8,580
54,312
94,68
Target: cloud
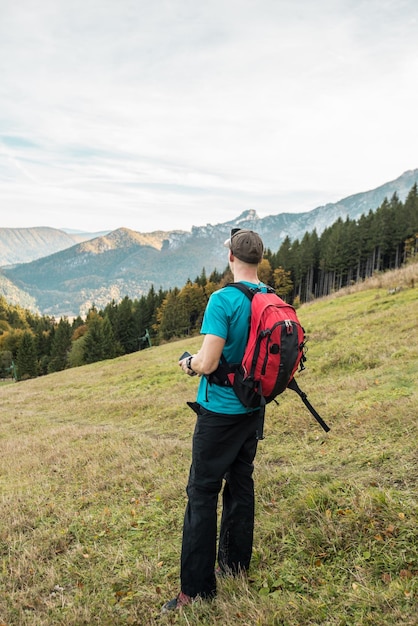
186,112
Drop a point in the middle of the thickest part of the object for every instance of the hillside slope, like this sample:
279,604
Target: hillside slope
94,462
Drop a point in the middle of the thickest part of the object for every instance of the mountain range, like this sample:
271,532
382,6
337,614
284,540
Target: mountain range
57,273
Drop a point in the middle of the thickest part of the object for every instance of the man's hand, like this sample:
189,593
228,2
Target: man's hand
206,360
185,363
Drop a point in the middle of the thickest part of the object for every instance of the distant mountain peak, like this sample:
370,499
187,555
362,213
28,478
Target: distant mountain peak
126,238
250,215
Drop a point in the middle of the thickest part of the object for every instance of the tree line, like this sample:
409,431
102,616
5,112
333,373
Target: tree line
346,252
351,250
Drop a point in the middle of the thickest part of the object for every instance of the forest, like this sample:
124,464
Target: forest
347,252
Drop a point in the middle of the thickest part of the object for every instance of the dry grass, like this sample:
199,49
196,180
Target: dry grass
94,462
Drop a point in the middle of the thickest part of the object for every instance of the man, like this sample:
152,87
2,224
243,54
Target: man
225,438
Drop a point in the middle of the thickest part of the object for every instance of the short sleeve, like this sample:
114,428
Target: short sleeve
216,318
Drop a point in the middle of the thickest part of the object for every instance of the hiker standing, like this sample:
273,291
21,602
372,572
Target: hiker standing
225,438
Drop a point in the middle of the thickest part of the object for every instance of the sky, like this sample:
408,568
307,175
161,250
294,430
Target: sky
168,114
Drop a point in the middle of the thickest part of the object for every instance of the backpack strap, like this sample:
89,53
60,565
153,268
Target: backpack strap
250,291
295,387
222,375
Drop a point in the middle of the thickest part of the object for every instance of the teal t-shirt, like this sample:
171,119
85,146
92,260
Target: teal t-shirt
227,315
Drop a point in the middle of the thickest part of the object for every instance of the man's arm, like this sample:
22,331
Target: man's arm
207,359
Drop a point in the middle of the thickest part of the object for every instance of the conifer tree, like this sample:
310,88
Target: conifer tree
202,279
215,277
111,311
93,340
283,257
365,246
61,345
26,361
410,221
110,347
172,317
126,332
308,253
192,303
6,360
154,301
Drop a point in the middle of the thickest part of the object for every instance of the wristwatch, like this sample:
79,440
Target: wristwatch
189,363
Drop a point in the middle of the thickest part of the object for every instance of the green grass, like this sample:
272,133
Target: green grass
94,463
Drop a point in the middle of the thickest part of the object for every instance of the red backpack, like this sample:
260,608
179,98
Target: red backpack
275,349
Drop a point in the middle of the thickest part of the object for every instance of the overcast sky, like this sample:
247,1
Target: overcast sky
163,114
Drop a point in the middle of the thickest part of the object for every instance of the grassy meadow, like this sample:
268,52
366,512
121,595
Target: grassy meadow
94,463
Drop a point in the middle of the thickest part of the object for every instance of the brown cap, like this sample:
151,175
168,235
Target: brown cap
246,245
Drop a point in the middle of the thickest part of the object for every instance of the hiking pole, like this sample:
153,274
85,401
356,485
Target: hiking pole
295,387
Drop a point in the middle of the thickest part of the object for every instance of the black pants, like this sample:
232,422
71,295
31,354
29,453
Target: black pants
224,447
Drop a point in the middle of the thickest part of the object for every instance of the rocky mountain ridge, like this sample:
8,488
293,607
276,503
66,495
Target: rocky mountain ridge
23,245
125,262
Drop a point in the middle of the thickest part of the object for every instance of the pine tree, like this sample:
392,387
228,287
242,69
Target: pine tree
6,360
125,329
172,317
93,340
308,253
26,361
111,348
192,303
365,246
202,279
283,257
410,221
61,345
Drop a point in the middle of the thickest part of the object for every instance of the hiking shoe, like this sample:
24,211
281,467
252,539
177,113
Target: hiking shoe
177,603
